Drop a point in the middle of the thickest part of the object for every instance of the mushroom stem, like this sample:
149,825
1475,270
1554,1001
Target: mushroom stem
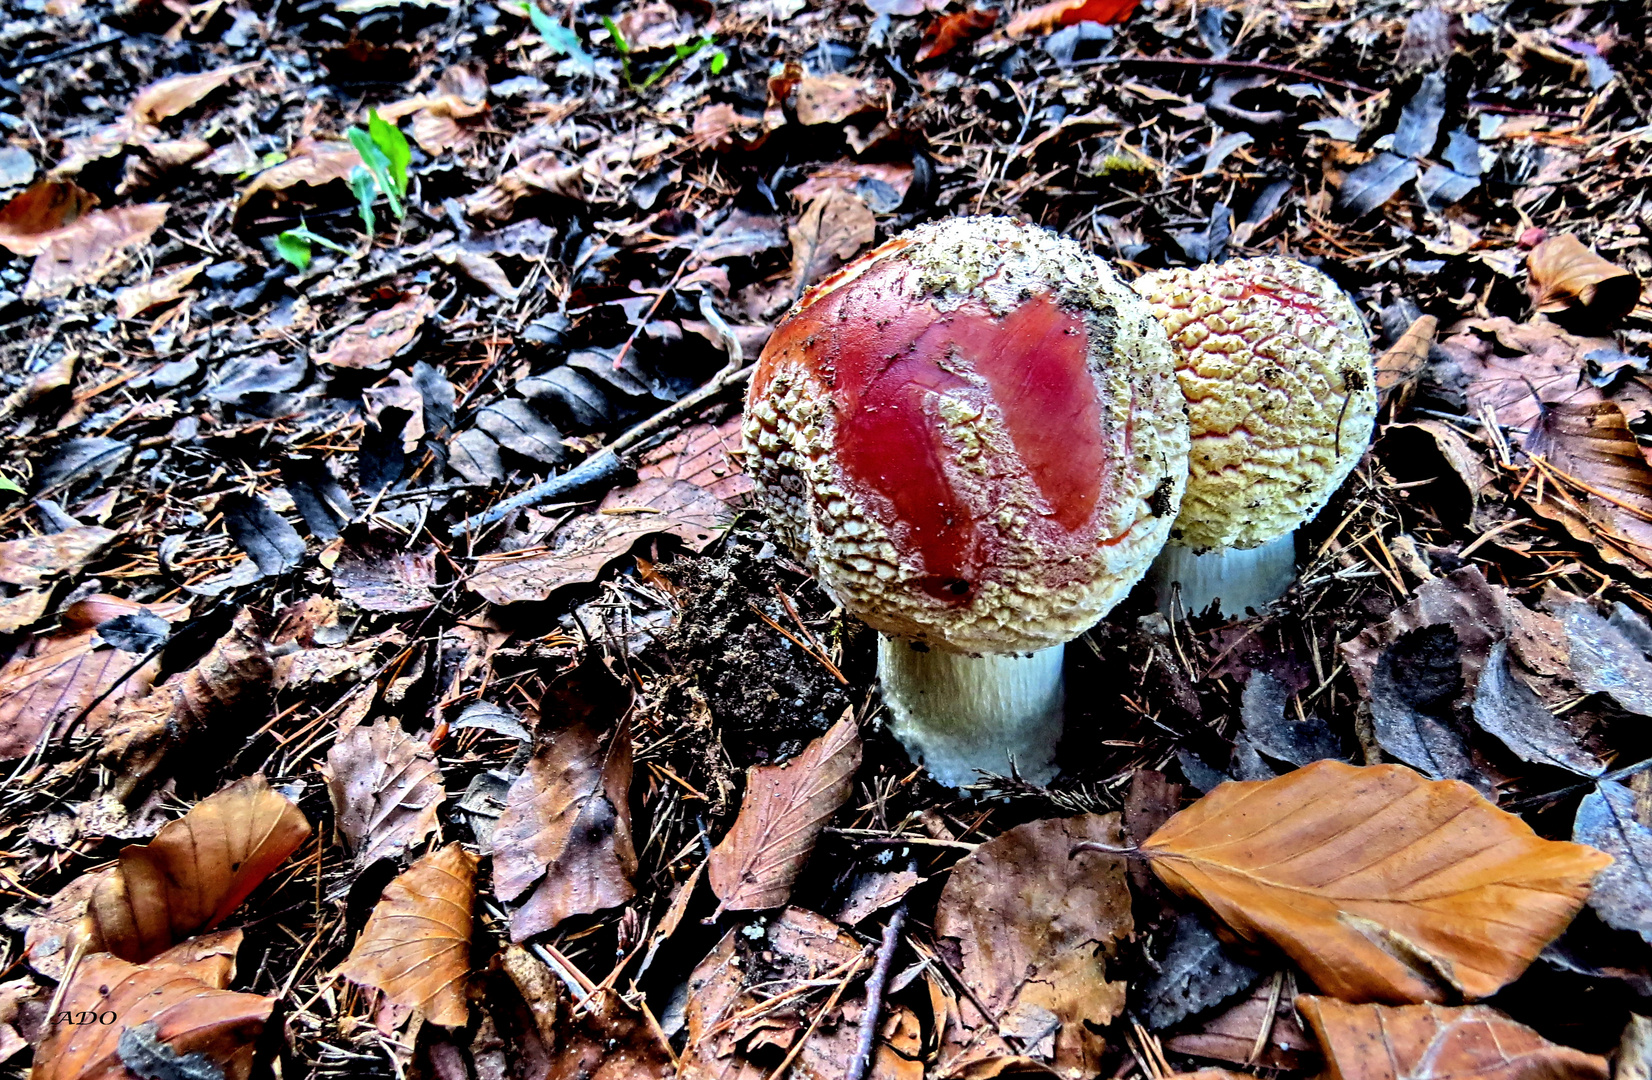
1240,578
962,715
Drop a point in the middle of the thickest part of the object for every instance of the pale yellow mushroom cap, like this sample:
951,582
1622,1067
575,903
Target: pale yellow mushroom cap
1276,367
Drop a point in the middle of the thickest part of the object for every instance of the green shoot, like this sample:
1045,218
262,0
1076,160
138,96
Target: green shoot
8,484
719,59
366,190
389,138
385,153
560,39
294,245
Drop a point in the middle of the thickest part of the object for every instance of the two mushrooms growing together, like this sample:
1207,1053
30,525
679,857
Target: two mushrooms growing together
979,439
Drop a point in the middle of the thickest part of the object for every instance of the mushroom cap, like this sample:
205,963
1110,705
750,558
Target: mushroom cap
1276,366
972,436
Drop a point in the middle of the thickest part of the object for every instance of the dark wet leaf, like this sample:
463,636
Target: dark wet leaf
1462,153
438,397
1419,127
1197,972
491,717
140,631
382,459
274,545
1413,688
323,503
475,457
570,397
516,427
385,790
377,571
77,459
1606,820
1440,186
264,373
1274,729
1375,182
1506,707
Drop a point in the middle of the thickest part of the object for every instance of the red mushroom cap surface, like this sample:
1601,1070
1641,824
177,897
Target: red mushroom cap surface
972,435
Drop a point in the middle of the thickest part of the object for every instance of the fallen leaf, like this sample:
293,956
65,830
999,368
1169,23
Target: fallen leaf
1606,820
514,425
832,228
171,1018
416,944
705,455
1428,1042
1599,485
1566,275
832,99
873,891
134,300
94,245
33,559
1231,1034
602,1041
41,213
372,342
1379,884
311,163
952,30
1046,17
376,572
581,549
853,177
1415,688
196,871
228,686
168,97
784,809
1634,1056
1398,369
1195,973
1505,706
720,127
23,610
566,830
1608,656
273,543
1032,927
53,933
385,789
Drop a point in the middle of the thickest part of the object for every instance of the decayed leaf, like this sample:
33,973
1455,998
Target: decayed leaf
92,247
134,300
43,212
1428,1042
1381,885
23,610
172,1018
1622,895
704,455
374,573
52,934
832,99
168,97
851,175
952,30
1231,1034
311,163
1032,926
1608,656
33,559
581,549
602,1041
416,945
784,810
385,789
834,227
372,342
197,870
1046,17
1398,367
567,827
1565,274
1598,483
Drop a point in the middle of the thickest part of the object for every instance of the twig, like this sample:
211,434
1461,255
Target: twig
1233,65
875,986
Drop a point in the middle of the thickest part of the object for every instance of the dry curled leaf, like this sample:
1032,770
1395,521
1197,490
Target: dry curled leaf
416,944
33,559
832,228
1428,1042
953,30
784,810
196,871
311,163
168,97
94,245
1566,274
1398,368
372,342
602,1041
134,300
1052,16
385,789
41,213
171,1017
1032,926
567,828
1379,884
1595,481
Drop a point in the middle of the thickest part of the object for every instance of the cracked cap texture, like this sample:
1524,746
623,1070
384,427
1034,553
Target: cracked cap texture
972,435
1276,367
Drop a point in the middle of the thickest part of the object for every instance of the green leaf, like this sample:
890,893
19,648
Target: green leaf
719,61
378,164
367,190
560,39
389,138
295,248
614,32
7,484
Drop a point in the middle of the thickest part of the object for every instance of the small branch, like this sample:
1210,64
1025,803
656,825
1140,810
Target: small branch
1105,849
861,1063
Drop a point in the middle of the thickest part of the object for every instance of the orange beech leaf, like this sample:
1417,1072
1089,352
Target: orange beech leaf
1428,1042
134,300
1052,16
1379,884
1599,485
168,97
197,870
416,944
1565,274
951,31
94,245
173,1011
785,808
44,211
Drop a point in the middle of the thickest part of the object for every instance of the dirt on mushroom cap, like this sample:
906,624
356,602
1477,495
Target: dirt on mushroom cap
1277,370
971,435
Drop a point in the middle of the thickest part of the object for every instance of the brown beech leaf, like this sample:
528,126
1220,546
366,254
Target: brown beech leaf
848,175
1379,884
602,1041
168,97
1399,367
832,228
23,610
1047,17
705,455
43,212
52,679
952,30
1031,927
170,1017
33,559
311,163
372,342
134,300
374,573
197,870
416,944
567,827
385,789
226,688
832,99
1596,481
1429,1042
784,810
91,247
53,933
1231,1034
1565,274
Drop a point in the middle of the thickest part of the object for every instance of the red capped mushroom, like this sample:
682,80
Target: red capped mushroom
973,436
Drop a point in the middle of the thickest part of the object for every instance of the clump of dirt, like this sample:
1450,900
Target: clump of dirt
769,695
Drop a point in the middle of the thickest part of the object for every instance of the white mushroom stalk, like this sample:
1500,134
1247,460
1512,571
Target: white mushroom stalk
973,436
1276,367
